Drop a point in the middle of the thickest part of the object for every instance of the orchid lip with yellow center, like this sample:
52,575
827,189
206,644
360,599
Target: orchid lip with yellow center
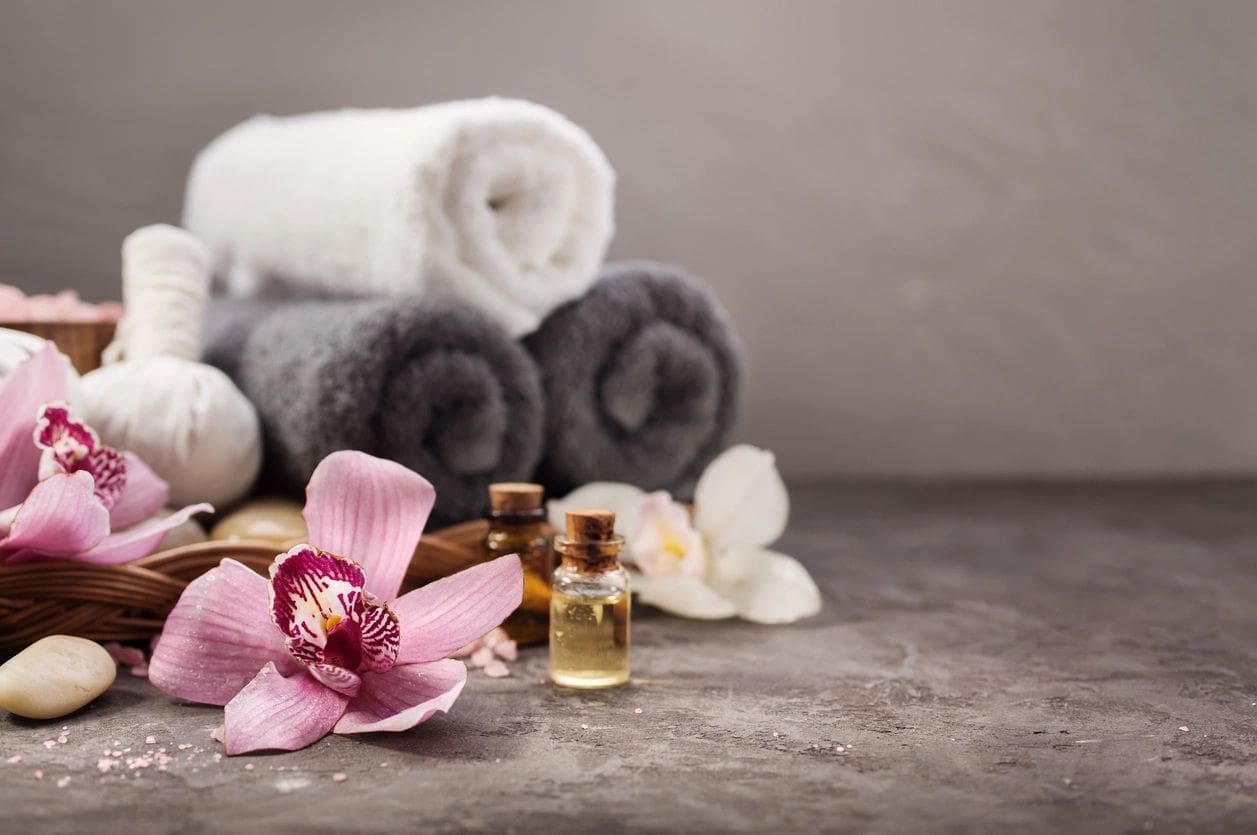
329,624
665,543
72,446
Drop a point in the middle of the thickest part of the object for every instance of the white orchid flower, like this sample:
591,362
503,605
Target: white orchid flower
718,566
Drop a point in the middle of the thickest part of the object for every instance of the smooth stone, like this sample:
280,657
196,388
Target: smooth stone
274,520
55,676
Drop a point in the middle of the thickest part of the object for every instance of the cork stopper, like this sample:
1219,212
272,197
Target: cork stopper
515,496
590,525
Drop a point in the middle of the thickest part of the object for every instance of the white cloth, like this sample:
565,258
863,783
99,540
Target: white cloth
501,203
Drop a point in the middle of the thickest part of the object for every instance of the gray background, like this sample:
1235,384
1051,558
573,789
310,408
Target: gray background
973,238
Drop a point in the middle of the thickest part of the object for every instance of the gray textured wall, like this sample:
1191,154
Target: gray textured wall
962,237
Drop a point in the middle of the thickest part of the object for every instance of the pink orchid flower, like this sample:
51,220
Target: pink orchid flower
323,646
63,493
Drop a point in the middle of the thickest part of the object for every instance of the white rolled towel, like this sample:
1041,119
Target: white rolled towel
504,204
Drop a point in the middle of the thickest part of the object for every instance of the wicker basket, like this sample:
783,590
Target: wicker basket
82,342
130,602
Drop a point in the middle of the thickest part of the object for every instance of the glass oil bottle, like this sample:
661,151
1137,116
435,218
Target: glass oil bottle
517,526
589,606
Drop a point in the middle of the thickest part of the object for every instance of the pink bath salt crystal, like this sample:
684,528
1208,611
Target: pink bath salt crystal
340,777
507,650
105,764
14,760
123,655
183,746
50,743
150,740
248,766
39,774
482,656
496,669
63,739
219,733
140,671
63,782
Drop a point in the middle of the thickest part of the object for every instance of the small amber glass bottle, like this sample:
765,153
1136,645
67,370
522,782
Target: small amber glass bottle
589,607
517,526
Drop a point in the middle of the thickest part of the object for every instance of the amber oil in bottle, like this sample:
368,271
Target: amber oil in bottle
517,526
589,605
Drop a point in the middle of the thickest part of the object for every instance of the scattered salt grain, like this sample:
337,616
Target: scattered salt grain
150,740
50,743
105,764
183,746
496,669
63,739
839,748
584,727
339,777
63,782
637,710
248,766
1184,728
217,757
776,735
14,760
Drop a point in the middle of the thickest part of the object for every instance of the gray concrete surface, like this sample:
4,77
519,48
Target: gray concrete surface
1002,659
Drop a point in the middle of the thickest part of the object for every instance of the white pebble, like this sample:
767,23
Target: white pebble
55,676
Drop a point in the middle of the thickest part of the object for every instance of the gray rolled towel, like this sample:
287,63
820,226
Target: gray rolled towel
642,378
441,390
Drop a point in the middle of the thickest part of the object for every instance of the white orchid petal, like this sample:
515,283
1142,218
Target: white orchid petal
776,589
664,542
621,499
741,500
688,597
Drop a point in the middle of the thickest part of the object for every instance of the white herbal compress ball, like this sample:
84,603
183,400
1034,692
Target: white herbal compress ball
185,419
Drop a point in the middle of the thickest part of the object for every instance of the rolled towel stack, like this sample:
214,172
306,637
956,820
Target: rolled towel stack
641,378
440,389
485,222
504,205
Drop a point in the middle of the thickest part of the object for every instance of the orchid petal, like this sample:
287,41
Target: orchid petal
139,541
277,713
664,542
403,697
688,597
145,494
381,638
440,617
369,509
621,499
35,382
776,589
345,682
61,517
217,637
307,587
741,500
